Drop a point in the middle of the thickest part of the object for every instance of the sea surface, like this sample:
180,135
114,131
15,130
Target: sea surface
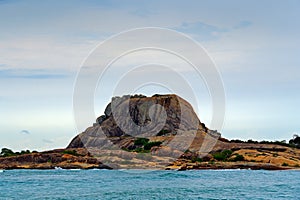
138,184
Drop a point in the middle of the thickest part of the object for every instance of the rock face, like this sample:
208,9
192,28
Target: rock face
140,116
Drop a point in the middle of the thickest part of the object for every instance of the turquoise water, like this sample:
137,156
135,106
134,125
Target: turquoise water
129,184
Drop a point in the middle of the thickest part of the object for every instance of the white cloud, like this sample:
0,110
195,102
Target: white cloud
25,132
43,53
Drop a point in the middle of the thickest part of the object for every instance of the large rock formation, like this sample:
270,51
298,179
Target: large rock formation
158,132
139,116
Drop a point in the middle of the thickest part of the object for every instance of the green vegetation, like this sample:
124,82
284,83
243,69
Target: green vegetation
149,145
238,157
187,151
212,162
222,156
70,152
142,145
295,142
196,159
5,152
285,164
226,154
141,141
163,132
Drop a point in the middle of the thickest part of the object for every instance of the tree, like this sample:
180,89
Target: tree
295,141
295,136
6,152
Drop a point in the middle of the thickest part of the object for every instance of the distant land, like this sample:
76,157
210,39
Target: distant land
131,135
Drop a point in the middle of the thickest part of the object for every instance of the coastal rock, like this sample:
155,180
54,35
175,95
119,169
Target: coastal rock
66,159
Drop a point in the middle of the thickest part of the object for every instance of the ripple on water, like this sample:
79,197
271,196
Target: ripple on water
128,184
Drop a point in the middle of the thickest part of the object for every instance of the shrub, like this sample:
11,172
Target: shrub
285,164
292,142
187,151
222,156
237,141
24,152
141,141
211,162
143,145
295,141
227,153
5,152
149,145
238,157
196,159
219,156
252,141
163,132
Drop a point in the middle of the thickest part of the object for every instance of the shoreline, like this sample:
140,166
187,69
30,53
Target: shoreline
202,169
266,157
183,167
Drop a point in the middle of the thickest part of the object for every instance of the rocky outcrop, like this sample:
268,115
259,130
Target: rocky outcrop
59,158
140,116
255,158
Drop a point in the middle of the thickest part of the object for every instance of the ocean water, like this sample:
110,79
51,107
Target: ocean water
135,184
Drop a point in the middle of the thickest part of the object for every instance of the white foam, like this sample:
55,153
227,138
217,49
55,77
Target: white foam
58,168
74,169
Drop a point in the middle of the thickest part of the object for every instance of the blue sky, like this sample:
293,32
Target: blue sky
255,45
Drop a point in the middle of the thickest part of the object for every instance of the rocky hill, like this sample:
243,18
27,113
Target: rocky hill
158,132
169,113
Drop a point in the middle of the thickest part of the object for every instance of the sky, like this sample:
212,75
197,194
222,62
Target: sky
43,44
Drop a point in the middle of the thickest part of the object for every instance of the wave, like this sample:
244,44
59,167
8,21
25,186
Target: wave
238,169
58,168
